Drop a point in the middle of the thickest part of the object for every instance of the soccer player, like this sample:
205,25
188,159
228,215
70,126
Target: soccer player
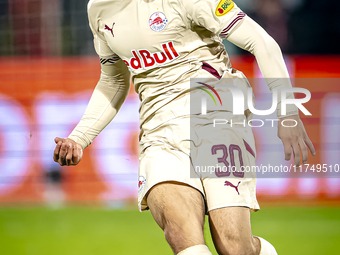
164,44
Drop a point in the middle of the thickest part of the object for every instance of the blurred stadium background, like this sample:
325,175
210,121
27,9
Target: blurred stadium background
48,69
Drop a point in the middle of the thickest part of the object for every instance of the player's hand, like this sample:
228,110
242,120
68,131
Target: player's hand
67,152
295,139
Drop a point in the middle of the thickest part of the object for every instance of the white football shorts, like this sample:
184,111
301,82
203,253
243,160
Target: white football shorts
215,165
214,159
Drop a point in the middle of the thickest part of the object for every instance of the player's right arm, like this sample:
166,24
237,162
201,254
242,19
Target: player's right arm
106,100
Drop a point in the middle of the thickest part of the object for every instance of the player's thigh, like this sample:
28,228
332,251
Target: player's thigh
179,210
231,231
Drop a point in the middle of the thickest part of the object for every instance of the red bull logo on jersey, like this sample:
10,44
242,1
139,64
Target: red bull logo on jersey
157,21
146,59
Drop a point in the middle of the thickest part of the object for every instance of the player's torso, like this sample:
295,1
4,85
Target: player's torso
162,48
140,25
149,34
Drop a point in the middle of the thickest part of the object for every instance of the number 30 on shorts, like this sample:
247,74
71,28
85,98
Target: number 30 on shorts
224,159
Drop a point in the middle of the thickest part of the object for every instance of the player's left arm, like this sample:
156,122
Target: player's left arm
252,37
106,100
226,19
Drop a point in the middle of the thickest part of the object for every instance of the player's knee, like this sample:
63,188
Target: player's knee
173,235
181,235
237,247
180,232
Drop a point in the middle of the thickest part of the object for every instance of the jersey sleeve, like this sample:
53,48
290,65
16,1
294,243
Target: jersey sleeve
218,16
107,56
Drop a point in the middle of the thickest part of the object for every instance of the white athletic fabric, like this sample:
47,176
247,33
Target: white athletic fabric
192,36
170,150
266,247
106,100
196,250
167,159
268,56
121,28
164,44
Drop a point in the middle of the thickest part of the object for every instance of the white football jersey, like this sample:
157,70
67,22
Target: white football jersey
164,43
